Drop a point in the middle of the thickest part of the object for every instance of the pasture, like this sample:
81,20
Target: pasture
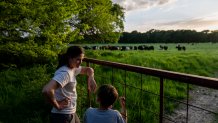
20,94
200,59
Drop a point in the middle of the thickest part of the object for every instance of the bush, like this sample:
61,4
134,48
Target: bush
25,54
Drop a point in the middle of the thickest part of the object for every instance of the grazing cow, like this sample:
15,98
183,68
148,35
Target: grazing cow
151,48
146,47
103,48
141,47
114,47
123,48
95,47
87,47
130,47
163,47
183,47
179,47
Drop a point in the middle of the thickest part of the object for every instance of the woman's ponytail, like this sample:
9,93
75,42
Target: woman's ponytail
62,60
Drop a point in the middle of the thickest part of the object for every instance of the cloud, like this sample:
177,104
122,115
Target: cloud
141,4
190,24
197,24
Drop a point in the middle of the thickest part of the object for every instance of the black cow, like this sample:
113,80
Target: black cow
179,47
151,48
123,48
87,47
163,47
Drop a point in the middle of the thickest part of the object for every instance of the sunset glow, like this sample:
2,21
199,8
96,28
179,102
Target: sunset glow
143,15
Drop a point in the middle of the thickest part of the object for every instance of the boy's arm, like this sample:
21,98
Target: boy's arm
123,111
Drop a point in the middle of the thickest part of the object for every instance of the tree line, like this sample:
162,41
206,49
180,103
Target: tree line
169,36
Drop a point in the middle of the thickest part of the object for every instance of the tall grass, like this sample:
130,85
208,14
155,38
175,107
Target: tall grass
21,100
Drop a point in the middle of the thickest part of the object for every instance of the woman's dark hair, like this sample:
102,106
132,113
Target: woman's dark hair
107,95
72,52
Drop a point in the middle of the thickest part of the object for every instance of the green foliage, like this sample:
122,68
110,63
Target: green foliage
100,21
33,31
37,19
21,100
15,54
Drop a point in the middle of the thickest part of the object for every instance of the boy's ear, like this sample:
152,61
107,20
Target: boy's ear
98,99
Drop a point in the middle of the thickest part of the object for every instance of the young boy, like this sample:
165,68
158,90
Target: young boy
106,96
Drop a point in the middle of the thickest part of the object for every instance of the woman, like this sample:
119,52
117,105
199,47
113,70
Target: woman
61,90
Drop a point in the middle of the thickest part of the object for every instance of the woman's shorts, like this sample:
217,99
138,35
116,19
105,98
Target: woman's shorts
64,118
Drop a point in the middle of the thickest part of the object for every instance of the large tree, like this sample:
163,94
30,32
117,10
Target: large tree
36,29
36,19
99,21
31,30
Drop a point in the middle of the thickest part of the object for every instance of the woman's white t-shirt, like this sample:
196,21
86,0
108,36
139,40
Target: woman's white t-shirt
66,77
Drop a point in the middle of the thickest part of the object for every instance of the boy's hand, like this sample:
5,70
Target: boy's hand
122,102
123,111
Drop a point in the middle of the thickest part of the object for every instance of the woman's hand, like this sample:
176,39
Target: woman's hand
91,84
63,103
91,81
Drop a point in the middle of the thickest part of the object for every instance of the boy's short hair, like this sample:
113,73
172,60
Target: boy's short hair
107,95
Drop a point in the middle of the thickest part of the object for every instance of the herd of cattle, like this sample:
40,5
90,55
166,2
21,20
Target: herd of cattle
126,48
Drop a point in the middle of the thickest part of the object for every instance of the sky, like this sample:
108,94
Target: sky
143,15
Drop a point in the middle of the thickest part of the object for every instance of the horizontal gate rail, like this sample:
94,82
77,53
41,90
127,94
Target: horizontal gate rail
182,77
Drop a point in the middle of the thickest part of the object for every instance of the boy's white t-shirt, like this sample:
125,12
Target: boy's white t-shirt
66,77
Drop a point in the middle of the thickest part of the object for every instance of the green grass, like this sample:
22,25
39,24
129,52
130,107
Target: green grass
200,59
21,100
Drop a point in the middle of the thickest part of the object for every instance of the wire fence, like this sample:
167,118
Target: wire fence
151,94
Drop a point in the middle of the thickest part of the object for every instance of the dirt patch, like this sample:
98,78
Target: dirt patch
201,97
